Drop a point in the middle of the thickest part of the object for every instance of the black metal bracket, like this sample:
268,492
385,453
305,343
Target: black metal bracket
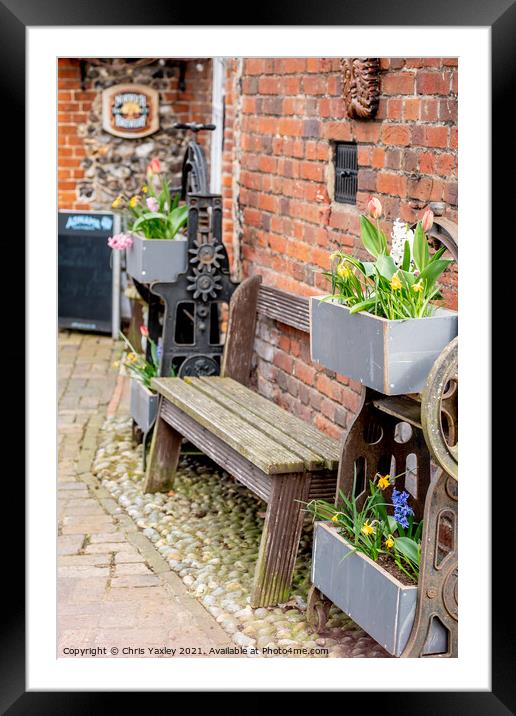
195,303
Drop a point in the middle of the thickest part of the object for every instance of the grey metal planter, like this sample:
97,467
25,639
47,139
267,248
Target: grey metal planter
393,357
144,405
373,598
151,260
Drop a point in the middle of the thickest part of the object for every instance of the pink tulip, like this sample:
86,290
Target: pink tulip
152,203
374,208
427,220
144,331
120,241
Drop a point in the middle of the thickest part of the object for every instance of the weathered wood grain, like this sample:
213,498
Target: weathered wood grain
250,442
312,460
227,458
280,540
284,307
238,349
163,457
402,407
271,413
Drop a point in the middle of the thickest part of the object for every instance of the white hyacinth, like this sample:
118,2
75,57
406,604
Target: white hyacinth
400,234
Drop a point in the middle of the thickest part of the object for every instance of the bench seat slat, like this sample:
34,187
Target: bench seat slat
248,441
268,411
312,460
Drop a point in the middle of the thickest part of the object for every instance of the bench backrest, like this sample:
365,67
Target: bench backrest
250,299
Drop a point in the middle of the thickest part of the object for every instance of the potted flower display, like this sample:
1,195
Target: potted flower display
144,401
155,248
366,560
380,325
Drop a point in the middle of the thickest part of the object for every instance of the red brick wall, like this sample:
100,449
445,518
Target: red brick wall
289,112
75,104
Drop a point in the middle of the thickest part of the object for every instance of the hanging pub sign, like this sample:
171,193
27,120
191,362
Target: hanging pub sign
130,111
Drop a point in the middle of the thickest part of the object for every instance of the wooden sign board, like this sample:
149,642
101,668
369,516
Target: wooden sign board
130,111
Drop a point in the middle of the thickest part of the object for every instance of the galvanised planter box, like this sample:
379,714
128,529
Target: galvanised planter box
144,405
393,357
373,598
150,260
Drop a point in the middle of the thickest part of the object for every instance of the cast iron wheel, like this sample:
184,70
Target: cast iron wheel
439,417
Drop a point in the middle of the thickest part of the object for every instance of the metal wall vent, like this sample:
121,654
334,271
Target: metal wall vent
346,171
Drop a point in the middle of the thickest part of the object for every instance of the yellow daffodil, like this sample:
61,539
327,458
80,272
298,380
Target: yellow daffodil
384,482
367,529
132,358
145,188
117,202
417,287
395,282
343,270
389,542
335,518
115,364
133,201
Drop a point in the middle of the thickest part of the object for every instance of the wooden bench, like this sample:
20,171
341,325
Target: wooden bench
278,456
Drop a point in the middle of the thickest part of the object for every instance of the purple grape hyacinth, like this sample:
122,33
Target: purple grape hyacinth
401,509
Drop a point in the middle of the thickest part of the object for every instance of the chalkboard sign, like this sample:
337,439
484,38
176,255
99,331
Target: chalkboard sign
85,278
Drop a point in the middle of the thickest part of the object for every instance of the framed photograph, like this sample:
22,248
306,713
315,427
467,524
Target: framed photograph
262,464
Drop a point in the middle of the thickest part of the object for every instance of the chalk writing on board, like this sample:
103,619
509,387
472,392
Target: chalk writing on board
85,222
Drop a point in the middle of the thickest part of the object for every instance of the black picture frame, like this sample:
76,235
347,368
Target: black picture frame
500,16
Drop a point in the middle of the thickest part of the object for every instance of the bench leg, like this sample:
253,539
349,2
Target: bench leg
163,457
280,540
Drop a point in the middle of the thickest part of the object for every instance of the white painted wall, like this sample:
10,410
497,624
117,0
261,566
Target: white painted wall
217,117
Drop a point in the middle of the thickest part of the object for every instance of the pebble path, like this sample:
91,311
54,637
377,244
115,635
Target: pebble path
208,529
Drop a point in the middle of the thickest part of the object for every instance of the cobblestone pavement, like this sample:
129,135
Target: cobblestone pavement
114,589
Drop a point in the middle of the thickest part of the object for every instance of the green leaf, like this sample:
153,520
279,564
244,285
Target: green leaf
391,524
420,248
373,240
438,254
407,278
408,548
147,217
434,269
368,267
177,219
386,266
362,306
419,530
154,354
405,264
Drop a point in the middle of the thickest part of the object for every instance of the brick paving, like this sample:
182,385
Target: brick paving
114,589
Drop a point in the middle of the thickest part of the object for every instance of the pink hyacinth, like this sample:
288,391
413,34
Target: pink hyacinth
120,241
152,203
